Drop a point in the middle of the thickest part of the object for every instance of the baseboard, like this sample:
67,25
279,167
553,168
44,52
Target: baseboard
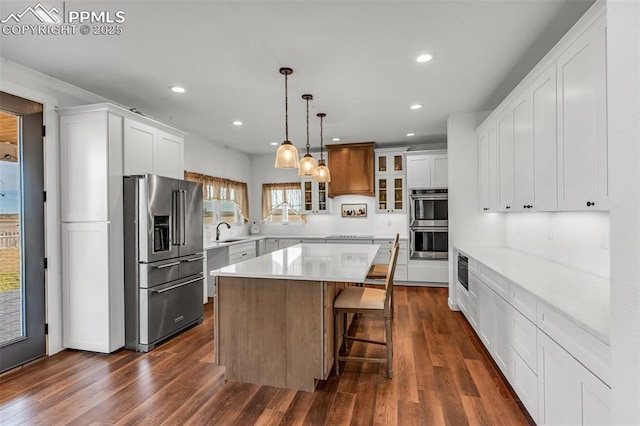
421,284
453,306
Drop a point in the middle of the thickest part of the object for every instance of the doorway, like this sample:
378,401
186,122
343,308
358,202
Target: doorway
22,291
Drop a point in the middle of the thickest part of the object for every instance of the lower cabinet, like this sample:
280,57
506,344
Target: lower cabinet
242,252
568,393
553,385
93,290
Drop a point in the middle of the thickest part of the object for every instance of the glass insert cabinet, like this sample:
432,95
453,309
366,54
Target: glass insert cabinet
314,196
390,181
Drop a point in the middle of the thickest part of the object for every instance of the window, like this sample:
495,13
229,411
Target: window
224,200
282,203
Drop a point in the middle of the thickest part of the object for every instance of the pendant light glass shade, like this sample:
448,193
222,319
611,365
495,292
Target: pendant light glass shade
321,172
308,163
287,155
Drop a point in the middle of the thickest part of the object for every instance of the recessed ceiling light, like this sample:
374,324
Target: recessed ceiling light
416,106
237,123
177,89
336,139
274,144
411,134
424,58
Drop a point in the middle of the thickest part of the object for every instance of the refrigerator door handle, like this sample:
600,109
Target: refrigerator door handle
183,218
175,217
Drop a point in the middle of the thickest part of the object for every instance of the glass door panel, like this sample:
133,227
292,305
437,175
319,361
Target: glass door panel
397,163
322,196
22,311
11,288
382,163
382,194
398,189
308,196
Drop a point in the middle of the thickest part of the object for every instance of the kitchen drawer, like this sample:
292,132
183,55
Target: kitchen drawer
474,283
155,273
403,244
594,354
495,281
191,265
401,273
474,266
524,339
384,243
240,257
382,256
242,247
525,382
523,301
403,256
288,242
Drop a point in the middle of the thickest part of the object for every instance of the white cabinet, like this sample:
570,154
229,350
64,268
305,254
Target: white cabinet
148,149
271,245
543,135
545,147
390,194
241,252
170,155
314,196
505,160
582,122
384,255
488,167
92,288
427,170
485,316
523,165
390,162
568,393
390,181
97,144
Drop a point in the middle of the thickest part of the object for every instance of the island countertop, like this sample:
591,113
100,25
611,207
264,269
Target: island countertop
308,262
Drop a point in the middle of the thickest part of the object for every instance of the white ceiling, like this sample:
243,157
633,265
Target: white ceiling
356,58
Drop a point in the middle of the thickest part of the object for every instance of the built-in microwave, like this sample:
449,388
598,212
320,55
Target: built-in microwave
429,243
463,270
429,207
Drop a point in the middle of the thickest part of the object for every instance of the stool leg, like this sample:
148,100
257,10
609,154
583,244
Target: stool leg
389,339
345,345
336,342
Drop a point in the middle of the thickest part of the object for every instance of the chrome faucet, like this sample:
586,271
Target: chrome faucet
218,229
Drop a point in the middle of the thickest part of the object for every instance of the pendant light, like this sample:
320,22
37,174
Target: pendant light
287,155
321,173
308,163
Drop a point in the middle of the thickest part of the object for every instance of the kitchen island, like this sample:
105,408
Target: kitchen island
274,313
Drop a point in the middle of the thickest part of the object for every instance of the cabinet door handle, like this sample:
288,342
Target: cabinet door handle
589,204
508,207
485,209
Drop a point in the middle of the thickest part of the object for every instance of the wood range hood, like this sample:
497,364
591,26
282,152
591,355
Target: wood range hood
352,169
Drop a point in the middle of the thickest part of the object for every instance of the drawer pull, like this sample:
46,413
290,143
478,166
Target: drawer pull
173,287
194,259
166,265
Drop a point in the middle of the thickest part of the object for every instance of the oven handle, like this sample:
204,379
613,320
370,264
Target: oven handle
177,285
430,229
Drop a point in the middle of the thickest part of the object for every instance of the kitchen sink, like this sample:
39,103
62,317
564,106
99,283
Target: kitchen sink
232,240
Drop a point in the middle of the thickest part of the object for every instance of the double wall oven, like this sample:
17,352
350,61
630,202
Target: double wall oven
429,224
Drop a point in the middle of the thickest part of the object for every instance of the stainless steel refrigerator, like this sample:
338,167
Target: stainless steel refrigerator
163,258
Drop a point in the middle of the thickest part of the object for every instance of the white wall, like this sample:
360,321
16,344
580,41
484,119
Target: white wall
576,239
623,69
263,171
203,156
467,224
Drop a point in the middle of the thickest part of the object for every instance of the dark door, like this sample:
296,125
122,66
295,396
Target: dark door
22,294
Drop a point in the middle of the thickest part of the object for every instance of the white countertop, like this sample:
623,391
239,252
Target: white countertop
581,297
246,238
311,262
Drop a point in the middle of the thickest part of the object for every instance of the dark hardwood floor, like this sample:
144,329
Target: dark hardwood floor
442,375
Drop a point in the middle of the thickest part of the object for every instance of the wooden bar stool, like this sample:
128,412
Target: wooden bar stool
379,271
365,300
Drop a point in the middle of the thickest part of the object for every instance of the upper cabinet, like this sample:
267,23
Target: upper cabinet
545,147
390,181
352,169
315,198
582,122
148,149
427,169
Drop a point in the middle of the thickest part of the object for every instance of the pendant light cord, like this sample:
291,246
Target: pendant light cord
286,109
307,99
321,140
